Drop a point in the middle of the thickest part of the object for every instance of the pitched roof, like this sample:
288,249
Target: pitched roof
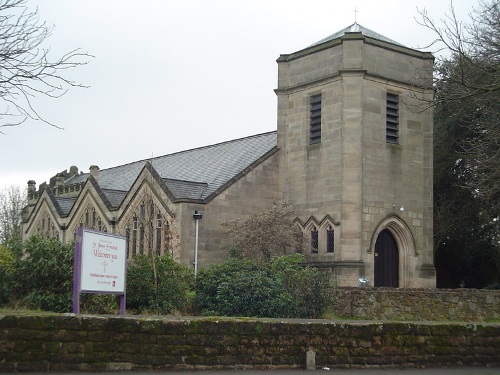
356,28
192,174
115,197
65,204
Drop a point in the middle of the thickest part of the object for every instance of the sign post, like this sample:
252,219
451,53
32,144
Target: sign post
99,266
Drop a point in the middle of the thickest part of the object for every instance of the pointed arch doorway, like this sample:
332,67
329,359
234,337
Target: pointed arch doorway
386,260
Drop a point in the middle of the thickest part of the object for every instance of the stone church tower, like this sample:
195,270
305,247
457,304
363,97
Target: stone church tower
355,143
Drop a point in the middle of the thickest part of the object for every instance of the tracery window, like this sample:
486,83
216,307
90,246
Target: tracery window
46,227
92,220
150,230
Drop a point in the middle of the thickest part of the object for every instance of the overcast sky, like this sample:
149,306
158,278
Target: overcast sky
173,75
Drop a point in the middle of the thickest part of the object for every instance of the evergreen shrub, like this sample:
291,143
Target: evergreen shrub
43,273
6,274
281,288
169,292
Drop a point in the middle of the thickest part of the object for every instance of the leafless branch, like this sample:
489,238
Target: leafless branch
27,68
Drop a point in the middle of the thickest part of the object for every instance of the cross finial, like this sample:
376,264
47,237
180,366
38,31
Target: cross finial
355,15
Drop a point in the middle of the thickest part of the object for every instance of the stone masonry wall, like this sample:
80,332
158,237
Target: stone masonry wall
106,343
418,304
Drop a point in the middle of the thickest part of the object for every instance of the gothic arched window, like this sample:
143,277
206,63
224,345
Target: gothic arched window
330,240
314,240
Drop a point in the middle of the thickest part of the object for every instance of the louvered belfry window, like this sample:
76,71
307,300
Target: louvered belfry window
392,118
315,120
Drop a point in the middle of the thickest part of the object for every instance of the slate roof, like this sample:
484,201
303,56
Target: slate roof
115,197
65,204
356,28
194,174
186,189
76,179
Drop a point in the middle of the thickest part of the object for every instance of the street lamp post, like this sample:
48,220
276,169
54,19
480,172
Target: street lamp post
197,217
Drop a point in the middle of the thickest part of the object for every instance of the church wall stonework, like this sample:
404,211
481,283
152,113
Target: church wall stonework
253,192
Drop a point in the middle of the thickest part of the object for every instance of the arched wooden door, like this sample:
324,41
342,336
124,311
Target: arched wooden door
386,260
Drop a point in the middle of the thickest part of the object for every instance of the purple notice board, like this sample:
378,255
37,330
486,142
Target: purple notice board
100,265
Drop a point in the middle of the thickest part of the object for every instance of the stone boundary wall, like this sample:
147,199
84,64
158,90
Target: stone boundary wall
470,305
109,343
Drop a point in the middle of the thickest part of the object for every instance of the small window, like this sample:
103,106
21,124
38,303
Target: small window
314,240
315,119
127,236
141,240
134,242
392,118
330,238
143,210
150,235
158,241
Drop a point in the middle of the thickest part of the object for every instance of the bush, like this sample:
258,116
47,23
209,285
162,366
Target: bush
280,288
44,273
256,293
171,292
91,303
42,276
311,289
6,274
209,280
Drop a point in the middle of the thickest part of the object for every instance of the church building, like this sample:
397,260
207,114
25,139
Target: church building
352,154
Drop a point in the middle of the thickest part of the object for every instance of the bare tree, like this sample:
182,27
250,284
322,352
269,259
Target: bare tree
27,69
266,234
467,77
12,201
